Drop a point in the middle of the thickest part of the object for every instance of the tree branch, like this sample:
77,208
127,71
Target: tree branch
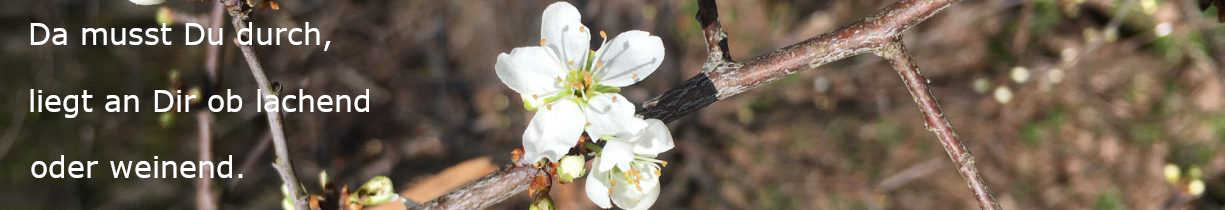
283,164
722,78
204,189
487,191
935,122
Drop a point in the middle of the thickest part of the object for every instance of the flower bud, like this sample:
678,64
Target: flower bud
377,191
544,203
1172,173
571,167
1196,187
165,16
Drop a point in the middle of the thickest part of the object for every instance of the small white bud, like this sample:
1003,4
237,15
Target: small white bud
1172,173
981,85
1149,6
1163,29
571,167
1196,187
1068,54
1019,74
1003,94
1055,75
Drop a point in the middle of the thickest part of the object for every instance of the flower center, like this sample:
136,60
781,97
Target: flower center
580,84
635,174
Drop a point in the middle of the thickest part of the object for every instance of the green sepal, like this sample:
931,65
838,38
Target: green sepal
599,88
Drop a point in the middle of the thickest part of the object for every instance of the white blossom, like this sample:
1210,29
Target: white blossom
626,172
573,89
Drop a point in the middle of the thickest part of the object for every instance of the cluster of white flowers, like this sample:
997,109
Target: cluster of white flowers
574,90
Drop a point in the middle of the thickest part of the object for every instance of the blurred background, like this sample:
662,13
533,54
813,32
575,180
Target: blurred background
1067,104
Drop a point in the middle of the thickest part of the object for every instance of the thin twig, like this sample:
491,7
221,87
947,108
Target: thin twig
282,164
486,191
910,174
10,135
204,189
935,122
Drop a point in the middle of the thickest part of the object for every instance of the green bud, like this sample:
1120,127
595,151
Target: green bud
165,119
287,204
544,203
165,16
377,191
571,167
287,201
527,104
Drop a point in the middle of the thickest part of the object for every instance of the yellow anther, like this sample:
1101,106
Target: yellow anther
603,35
542,42
587,79
582,29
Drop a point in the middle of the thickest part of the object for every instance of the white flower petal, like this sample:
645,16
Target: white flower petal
654,139
615,153
628,58
530,71
562,31
597,187
643,202
639,196
611,115
553,131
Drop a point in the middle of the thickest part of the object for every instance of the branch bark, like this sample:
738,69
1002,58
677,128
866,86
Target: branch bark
283,164
487,191
204,189
721,78
935,122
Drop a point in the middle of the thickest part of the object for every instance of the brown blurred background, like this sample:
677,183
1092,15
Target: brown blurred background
1067,104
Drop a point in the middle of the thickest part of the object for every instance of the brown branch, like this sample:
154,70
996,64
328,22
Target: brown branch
487,191
722,78
204,189
935,122
282,164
